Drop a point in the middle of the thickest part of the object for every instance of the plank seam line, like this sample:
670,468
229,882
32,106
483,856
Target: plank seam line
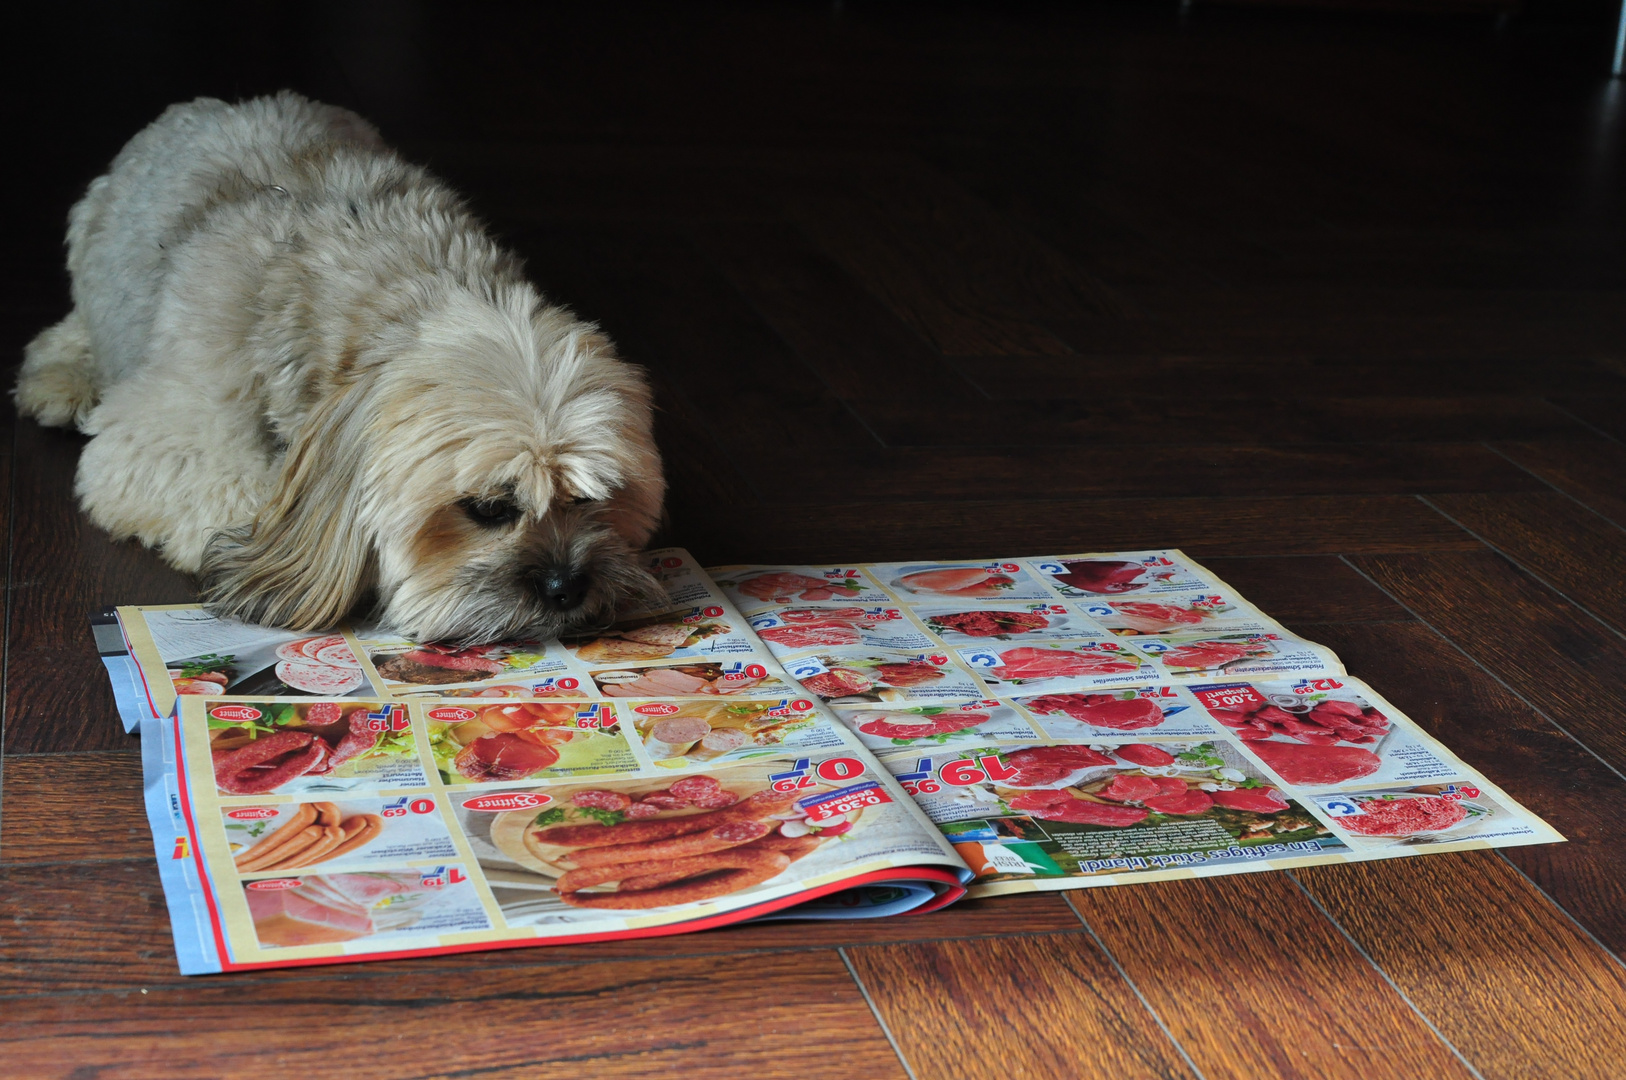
5,647
1589,426
1532,574
876,1012
698,246
1494,677
1577,923
1358,947
1572,498
1157,1018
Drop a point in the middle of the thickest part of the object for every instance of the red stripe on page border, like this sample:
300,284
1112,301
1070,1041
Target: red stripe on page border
145,689
929,874
197,851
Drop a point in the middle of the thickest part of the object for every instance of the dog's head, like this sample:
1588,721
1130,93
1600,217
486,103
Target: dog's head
489,473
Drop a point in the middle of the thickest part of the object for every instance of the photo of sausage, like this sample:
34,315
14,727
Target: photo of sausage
265,748
640,844
314,833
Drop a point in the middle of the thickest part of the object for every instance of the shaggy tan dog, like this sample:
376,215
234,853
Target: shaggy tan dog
311,376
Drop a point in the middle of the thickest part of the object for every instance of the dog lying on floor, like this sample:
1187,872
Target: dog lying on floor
311,377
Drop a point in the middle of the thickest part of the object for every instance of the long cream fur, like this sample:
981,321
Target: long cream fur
301,358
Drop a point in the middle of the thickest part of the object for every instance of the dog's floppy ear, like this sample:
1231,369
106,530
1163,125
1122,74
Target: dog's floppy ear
306,560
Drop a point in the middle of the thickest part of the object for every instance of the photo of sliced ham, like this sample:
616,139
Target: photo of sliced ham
322,680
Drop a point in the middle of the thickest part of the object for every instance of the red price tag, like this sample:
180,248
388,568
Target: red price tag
846,804
1234,698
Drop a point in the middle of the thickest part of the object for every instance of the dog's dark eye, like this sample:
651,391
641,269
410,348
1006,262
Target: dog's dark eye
491,512
582,500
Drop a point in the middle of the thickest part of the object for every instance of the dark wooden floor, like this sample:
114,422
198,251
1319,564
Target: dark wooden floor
1337,305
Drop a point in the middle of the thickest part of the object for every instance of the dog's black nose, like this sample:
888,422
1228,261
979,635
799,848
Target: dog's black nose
560,588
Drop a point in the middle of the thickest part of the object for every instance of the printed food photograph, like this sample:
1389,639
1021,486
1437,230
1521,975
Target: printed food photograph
328,909
1431,814
852,677
430,664
654,637
806,584
794,630
1115,710
936,725
677,734
637,845
1005,622
319,666
1215,655
1028,666
1176,613
1102,802
965,581
708,679
483,743
1114,576
263,748
272,839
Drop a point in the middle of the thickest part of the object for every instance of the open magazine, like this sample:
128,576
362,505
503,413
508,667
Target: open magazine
786,741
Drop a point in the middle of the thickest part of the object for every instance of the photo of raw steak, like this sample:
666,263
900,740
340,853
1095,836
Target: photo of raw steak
1207,654
1103,575
784,586
1100,710
907,726
1060,806
810,635
1260,800
1039,765
1330,721
1298,763
1029,663
1154,618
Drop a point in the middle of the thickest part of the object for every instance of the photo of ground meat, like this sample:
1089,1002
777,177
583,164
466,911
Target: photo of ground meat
1404,816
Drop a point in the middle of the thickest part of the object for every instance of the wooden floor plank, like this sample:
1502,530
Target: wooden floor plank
1308,588
1041,1006
1488,959
714,1018
1203,527
1278,1003
45,908
1520,751
72,808
1605,412
63,568
1592,471
1557,658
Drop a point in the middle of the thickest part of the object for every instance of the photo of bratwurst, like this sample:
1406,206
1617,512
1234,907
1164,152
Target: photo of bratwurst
639,846
314,833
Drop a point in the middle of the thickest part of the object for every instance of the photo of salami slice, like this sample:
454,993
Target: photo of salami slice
338,654
312,647
319,679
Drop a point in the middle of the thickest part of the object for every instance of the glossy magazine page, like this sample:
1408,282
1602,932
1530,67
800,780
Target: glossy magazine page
1098,719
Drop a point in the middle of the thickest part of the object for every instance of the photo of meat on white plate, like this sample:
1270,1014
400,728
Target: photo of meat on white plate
261,748
489,742
684,733
652,638
965,581
320,666
431,664
646,844
1433,814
